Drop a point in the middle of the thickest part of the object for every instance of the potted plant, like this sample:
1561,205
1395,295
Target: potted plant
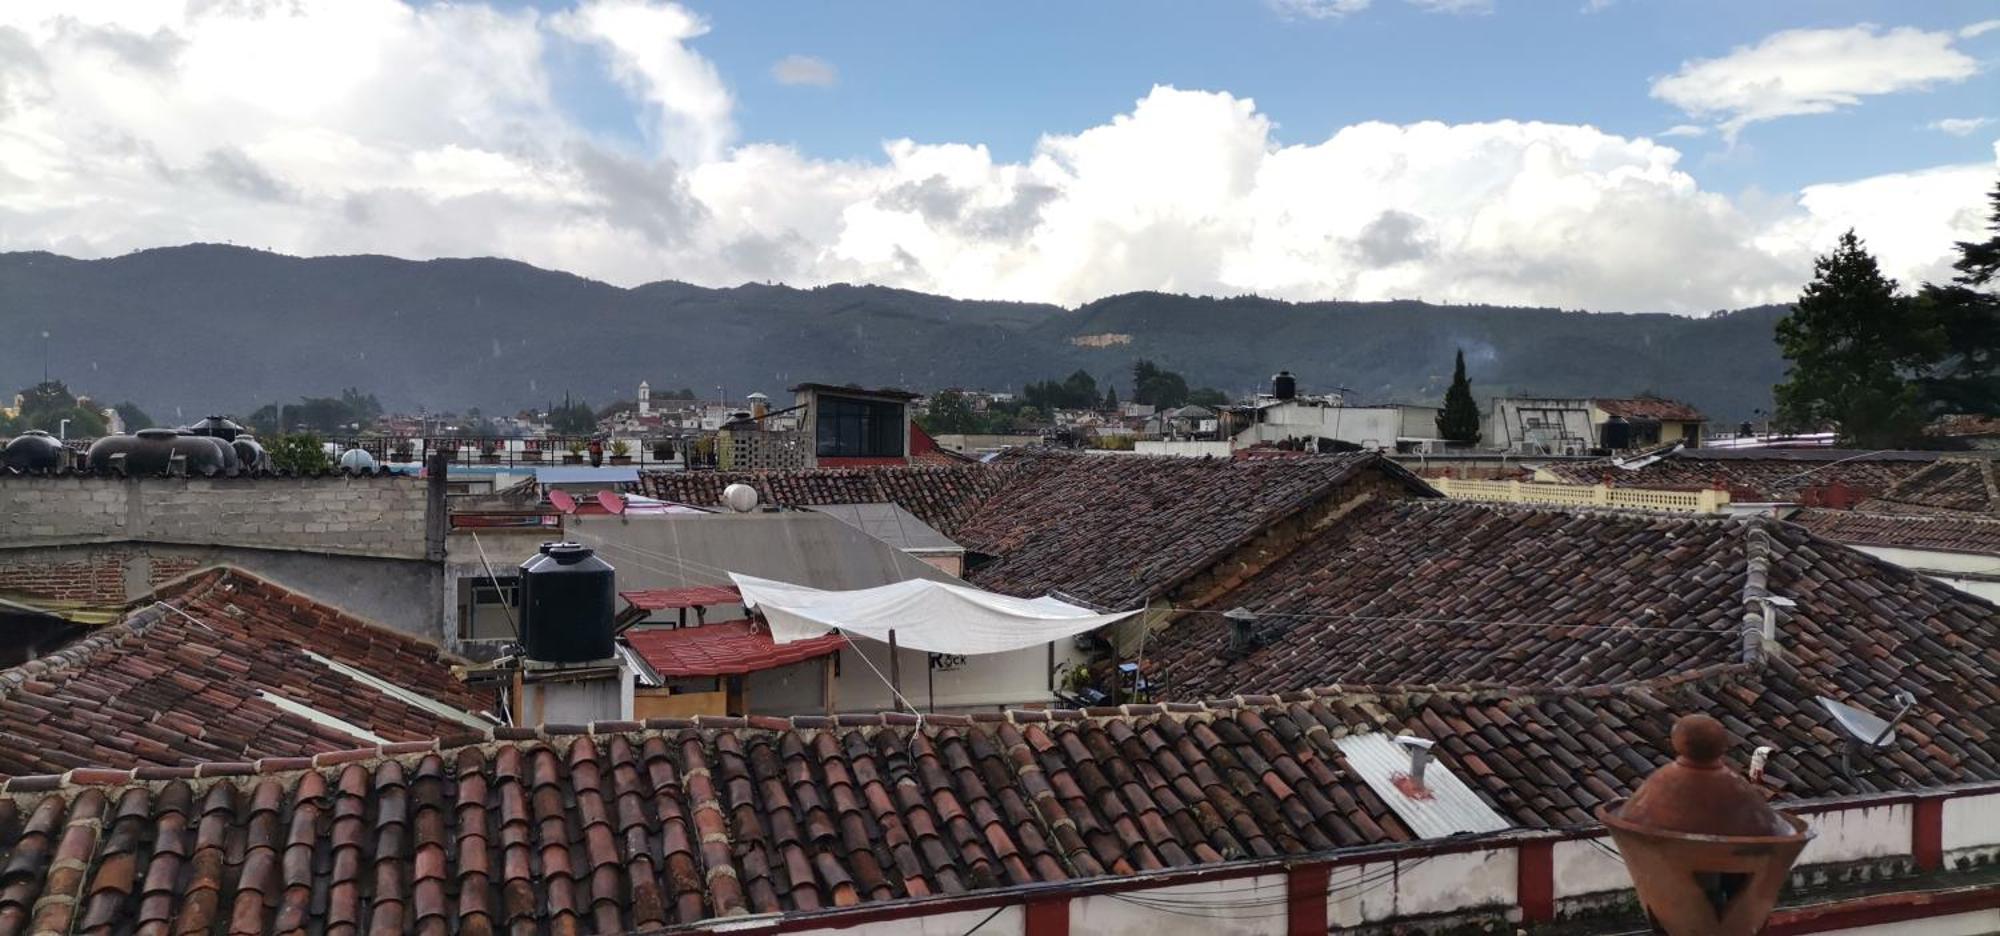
489,451
663,450
531,450
404,452
573,452
448,448
621,452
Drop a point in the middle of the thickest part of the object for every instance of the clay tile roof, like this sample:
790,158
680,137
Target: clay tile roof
1938,532
186,682
1951,485
1116,530
1652,408
668,599
942,496
728,648
1768,474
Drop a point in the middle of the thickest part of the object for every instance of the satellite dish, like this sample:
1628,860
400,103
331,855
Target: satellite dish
740,497
611,502
563,501
1865,730
1863,726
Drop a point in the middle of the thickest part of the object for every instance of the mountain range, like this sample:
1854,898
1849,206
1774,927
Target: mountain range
185,331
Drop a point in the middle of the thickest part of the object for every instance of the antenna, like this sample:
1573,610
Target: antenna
562,501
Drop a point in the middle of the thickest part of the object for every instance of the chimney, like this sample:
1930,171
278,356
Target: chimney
436,521
1420,758
1242,633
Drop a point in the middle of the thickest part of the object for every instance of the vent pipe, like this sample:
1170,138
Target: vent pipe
1420,757
1242,632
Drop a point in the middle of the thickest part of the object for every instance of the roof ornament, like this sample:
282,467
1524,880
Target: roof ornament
1706,851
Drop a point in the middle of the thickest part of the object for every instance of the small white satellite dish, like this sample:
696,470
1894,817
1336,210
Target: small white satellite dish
1865,730
740,497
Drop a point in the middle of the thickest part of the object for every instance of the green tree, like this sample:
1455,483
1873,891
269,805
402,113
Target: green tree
1161,388
573,417
1459,420
1077,391
1854,347
48,404
1966,312
1209,397
1111,398
299,453
134,417
950,412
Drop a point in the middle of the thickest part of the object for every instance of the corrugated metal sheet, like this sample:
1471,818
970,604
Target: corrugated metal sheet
1450,809
805,548
891,524
585,474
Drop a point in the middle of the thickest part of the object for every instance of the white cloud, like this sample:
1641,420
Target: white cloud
1978,29
804,70
1684,130
1453,6
371,126
1812,71
1319,9
647,42
1958,126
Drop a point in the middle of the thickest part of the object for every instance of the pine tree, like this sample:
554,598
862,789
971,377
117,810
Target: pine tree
1966,311
1111,399
1459,422
1855,347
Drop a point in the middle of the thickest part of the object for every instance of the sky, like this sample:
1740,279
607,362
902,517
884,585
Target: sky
1620,155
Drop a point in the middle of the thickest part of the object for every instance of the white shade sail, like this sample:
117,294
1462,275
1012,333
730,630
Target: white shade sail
926,615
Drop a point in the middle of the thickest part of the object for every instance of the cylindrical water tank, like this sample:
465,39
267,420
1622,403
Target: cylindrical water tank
568,599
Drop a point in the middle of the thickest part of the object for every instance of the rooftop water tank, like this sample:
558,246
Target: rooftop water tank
1284,386
1616,434
357,460
217,427
250,454
568,599
152,451
33,450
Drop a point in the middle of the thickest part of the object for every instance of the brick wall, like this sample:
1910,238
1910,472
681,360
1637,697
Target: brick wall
351,516
94,578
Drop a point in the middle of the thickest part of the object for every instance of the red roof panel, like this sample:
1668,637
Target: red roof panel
731,648
668,599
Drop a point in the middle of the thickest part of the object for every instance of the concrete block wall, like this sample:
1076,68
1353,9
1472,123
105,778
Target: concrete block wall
369,516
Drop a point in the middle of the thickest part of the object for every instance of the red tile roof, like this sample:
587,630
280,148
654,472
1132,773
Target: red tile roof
1117,530
1762,474
668,599
1651,408
184,682
1962,485
729,648
1938,532
635,826
938,495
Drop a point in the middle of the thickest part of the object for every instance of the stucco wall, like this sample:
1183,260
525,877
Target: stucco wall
372,516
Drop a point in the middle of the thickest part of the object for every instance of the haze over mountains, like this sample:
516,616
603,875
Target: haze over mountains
209,328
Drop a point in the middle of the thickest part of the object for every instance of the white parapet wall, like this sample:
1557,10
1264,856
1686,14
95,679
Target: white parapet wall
1583,495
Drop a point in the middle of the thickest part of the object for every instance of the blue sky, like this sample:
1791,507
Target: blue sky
1003,74
1632,155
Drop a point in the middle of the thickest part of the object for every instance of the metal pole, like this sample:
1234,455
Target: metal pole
895,667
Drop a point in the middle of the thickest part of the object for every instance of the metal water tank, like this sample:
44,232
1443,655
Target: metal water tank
152,451
1284,386
249,453
217,427
33,450
568,599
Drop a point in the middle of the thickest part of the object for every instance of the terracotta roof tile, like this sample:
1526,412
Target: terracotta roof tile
1977,535
729,648
1118,530
1653,408
184,680
1955,485
1760,474
939,495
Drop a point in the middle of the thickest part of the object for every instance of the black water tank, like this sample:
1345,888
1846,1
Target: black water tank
217,427
248,453
568,597
1284,386
1616,434
224,450
151,452
33,450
